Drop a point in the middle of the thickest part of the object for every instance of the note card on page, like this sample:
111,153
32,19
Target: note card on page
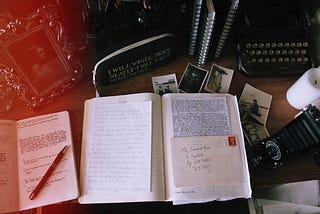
119,155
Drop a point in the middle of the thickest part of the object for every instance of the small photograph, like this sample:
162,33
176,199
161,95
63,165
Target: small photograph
254,105
219,79
254,132
165,84
192,79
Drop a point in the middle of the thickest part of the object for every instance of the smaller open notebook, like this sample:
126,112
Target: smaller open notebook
28,148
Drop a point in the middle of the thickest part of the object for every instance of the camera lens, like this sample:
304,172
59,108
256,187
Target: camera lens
273,150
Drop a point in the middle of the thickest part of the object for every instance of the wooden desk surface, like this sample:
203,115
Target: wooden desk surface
280,113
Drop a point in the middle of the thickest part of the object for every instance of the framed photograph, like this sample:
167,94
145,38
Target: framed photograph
219,79
192,79
165,84
36,59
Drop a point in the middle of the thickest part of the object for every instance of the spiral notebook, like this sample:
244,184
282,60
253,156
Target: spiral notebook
197,5
206,32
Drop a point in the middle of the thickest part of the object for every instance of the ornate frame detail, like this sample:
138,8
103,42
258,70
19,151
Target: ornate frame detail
45,32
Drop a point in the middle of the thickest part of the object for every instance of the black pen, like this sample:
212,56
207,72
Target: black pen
43,180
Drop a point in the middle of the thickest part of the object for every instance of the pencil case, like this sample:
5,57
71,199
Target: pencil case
135,58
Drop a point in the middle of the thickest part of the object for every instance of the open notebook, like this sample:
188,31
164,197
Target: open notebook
178,147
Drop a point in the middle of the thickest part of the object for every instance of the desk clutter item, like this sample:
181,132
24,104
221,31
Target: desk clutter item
165,84
226,28
219,79
254,107
196,13
132,58
112,22
265,57
28,148
201,30
147,147
299,138
295,197
305,90
274,38
206,32
7,95
48,66
193,79
118,21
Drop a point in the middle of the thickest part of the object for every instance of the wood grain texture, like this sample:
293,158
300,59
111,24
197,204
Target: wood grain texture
280,113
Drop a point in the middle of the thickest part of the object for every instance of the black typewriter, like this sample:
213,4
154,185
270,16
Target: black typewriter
269,57
274,38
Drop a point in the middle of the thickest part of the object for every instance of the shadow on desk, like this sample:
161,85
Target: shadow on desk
233,206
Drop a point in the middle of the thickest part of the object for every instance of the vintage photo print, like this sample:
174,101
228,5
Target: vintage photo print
192,79
254,133
219,79
254,105
165,84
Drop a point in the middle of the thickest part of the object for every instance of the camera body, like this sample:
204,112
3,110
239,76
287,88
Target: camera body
300,137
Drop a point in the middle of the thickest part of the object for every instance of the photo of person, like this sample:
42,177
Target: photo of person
165,84
43,69
252,109
254,105
192,79
167,89
254,132
219,79
39,64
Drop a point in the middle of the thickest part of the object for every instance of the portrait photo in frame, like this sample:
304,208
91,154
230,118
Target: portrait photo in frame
36,59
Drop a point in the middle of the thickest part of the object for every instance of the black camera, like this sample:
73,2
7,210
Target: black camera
300,137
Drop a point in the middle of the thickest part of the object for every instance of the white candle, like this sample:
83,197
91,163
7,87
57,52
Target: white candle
316,103
305,90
